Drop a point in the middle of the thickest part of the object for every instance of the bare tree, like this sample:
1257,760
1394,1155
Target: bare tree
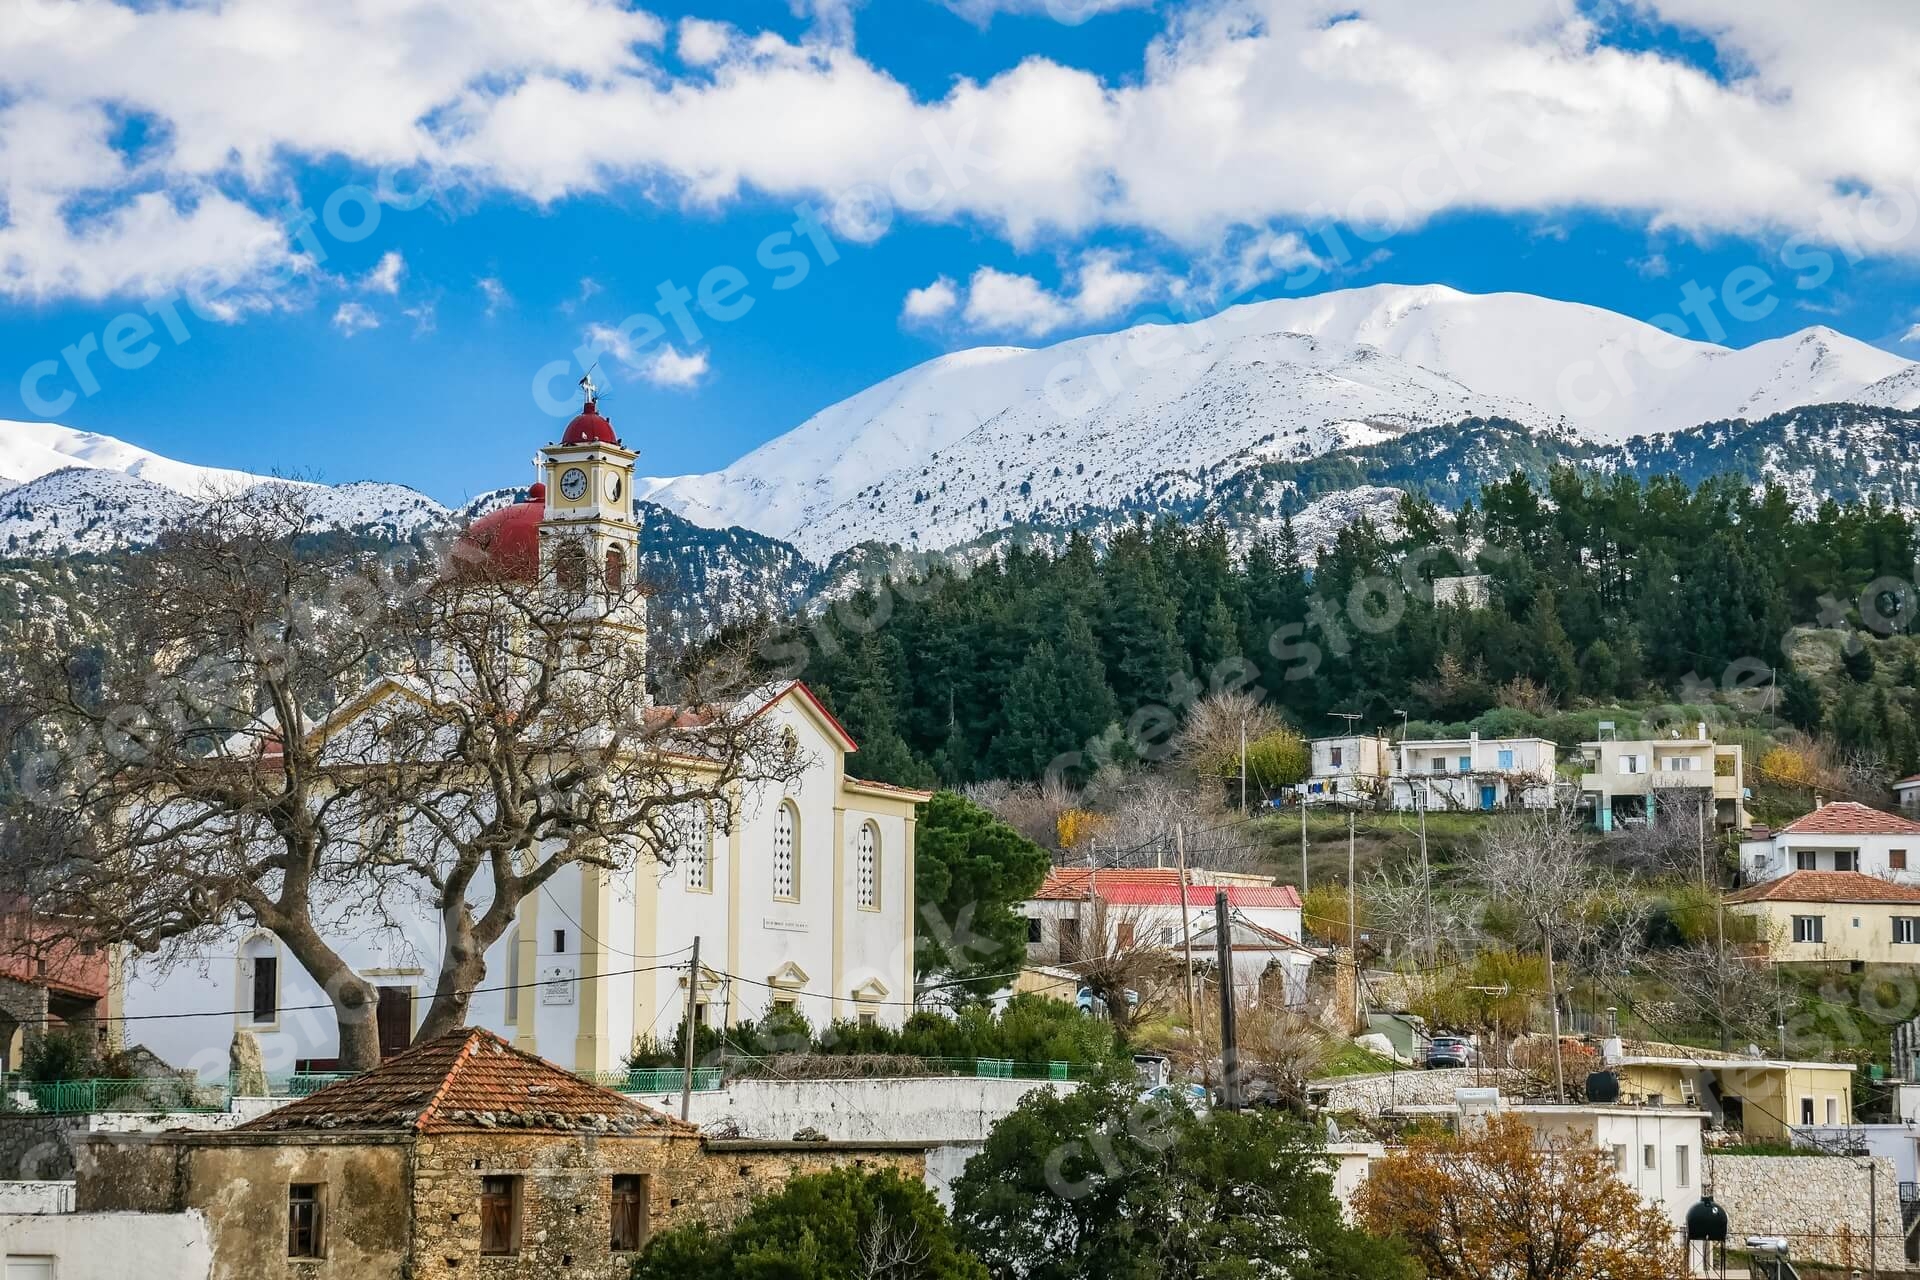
1124,957
170,786
524,741
1535,866
1031,808
891,1252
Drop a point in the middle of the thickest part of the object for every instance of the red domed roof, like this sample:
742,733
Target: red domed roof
590,428
503,544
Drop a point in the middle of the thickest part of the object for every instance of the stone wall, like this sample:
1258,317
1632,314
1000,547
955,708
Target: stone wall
932,1109
1819,1203
1372,1095
38,1147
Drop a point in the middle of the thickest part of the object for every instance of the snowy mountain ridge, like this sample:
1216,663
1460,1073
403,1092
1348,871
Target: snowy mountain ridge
993,438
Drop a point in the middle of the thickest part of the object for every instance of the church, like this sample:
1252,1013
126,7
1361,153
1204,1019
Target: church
802,900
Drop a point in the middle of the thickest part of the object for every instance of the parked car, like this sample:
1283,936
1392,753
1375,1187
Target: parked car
1196,1096
1449,1051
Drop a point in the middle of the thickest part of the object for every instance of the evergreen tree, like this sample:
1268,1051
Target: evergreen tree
1858,663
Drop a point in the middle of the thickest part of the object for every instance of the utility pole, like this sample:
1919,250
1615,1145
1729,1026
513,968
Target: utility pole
1553,999
1186,926
1301,792
1243,766
1229,1033
1353,923
1426,875
693,988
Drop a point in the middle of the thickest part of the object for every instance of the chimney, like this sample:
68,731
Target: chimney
1819,802
1701,728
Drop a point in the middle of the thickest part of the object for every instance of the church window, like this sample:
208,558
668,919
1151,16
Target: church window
616,569
867,868
570,565
698,852
786,873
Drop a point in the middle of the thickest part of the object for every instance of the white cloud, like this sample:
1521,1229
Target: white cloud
355,317
1654,266
669,367
425,318
665,366
1069,12
1105,290
1243,114
386,273
498,299
932,302
1911,337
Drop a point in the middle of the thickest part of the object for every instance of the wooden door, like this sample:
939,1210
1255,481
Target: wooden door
395,1020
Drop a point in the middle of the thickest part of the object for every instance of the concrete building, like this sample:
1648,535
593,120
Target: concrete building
1906,794
801,898
1347,769
1625,781
1833,917
462,1157
1130,907
1761,1098
1839,836
1471,773
1658,1151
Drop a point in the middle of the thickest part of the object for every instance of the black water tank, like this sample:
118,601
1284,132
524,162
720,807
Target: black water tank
1707,1221
1603,1088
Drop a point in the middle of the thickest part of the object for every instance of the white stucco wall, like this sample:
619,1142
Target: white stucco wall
936,1109
649,917
36,1197
111,1246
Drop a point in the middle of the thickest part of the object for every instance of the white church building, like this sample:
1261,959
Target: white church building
805,899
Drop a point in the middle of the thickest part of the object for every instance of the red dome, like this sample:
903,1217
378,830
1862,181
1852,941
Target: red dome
590,428
503,544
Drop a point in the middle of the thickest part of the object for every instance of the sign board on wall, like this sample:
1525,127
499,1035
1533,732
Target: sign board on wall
557,984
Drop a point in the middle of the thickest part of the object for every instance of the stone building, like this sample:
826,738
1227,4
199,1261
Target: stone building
47,981
464,1157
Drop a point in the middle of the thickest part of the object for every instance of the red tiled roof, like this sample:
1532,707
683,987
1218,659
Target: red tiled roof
467,1079
1826,886
1848,818
917,792
1156,886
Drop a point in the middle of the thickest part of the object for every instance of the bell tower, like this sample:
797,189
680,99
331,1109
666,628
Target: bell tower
589,540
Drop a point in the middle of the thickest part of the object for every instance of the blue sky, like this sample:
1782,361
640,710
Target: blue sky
1134,177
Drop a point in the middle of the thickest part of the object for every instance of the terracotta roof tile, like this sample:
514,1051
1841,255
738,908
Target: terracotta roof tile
467,1079
1848,818
1156,886
1826,886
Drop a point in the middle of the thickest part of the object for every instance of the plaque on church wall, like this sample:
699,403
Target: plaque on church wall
558,984
783,926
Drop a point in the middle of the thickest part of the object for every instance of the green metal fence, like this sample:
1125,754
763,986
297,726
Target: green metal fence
1006,1069
656,1079
86,1097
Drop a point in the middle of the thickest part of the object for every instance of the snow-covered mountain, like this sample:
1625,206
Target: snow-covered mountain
29,450
984,440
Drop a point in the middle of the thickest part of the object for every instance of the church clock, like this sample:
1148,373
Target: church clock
573,485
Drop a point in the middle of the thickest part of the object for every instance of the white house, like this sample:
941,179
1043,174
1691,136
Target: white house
802,898
1906,794
1141,907
1838,836
1262,960
1471,773
1348,769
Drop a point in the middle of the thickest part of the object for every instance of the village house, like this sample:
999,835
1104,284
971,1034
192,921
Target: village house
463,1157
48,982
1833,918
1139,907
801,900
1347,769
1625,782
1469,773
1763,1099
1837,836
1906,794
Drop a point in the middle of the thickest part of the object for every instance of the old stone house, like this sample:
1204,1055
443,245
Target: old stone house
464,1157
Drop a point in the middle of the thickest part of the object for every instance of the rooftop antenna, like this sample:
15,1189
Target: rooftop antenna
1349,716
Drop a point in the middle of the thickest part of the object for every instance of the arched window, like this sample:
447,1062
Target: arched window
697,852
616,569
786,861
513,975
570,565
866,867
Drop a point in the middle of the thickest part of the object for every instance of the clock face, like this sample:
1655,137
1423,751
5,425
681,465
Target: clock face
613,488
574,484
